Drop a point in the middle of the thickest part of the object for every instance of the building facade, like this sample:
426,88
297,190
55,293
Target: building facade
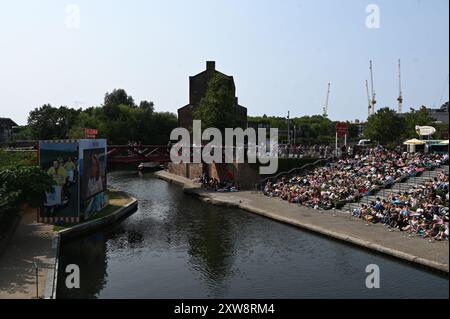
440,115
6,127
198,84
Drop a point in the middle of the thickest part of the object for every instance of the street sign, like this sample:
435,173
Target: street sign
341,129
90,133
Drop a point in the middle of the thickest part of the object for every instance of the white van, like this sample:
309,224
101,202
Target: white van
364,142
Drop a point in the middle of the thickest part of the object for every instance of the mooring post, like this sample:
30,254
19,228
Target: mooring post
35,266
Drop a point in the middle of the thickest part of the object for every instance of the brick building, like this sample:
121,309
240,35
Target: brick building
198,85
440,115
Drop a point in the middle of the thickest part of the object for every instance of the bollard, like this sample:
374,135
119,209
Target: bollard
35,266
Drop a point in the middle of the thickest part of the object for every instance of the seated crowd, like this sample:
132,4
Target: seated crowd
351,178
216,185
422,210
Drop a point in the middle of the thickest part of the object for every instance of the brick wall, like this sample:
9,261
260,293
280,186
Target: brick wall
177,169
242,173
191,171
194,170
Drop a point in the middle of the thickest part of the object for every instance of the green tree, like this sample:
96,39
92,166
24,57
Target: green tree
147,106
218,107
119,120
23,133
353,131
314,129
419,117
48,122
385,126
118,97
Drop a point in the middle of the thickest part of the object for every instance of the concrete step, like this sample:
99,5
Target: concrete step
351,207
404,186
422,178
401,188
397,187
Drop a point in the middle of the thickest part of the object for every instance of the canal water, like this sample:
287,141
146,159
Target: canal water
175,246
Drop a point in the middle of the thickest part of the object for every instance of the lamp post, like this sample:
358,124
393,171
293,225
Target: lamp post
289,128
295,134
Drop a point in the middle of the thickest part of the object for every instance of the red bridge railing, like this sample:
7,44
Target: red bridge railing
135,154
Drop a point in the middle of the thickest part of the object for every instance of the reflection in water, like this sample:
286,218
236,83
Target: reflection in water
175,246
211,249
93,251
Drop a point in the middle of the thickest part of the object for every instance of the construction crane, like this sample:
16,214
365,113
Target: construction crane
325,108
443,90
373,101
369,108
400,94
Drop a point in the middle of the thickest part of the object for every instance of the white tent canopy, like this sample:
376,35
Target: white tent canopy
414,141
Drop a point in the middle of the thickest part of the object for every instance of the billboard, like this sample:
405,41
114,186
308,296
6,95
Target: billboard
60,160
93,176
78,168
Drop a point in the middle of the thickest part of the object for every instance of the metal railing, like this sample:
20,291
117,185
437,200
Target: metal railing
295,171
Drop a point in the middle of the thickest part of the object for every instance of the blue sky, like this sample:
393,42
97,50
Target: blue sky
282,53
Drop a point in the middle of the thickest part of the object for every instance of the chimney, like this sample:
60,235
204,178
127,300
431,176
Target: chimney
210,65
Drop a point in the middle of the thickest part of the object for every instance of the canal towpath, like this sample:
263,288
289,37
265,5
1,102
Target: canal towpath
32,242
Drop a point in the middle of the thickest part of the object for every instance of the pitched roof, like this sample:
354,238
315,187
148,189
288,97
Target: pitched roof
8,120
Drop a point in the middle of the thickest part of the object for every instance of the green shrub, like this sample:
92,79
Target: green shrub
17,158
23,184
28,183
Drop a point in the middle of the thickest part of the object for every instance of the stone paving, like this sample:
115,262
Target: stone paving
31,242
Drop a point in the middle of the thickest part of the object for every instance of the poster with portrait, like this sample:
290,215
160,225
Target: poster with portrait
92,155
60,160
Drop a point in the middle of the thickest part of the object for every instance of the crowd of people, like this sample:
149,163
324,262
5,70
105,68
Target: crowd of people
422,210
350,178
216,185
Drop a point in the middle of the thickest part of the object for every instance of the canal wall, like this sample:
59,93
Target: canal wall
245,174
52,272
89,226
242,173
338,225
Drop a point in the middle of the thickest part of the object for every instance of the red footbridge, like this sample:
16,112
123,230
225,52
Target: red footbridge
136,154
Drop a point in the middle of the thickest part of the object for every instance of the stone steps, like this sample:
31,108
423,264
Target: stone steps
397,187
